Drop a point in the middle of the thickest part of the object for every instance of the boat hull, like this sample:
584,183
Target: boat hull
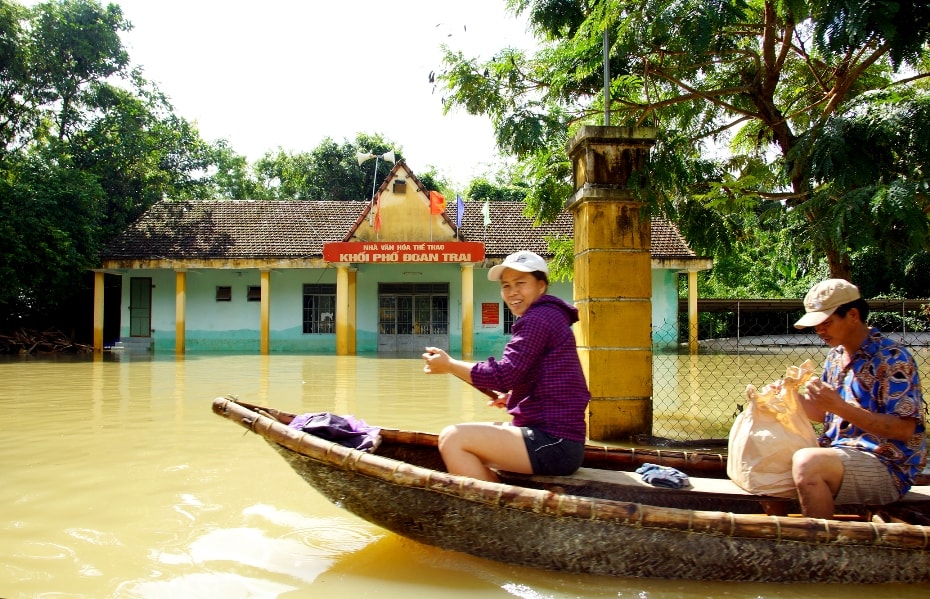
545,529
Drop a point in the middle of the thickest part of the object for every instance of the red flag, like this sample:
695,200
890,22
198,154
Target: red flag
378,215
437,203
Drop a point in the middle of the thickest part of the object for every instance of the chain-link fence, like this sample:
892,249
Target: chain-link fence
743,342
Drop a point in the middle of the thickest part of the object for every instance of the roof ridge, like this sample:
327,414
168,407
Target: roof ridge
238,229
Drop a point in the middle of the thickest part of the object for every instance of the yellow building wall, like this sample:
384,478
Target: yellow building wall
405,216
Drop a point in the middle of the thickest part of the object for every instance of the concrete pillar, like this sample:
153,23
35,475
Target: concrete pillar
468,310
265,312
613,279
352,318
98,310
342,310
692,312
180,310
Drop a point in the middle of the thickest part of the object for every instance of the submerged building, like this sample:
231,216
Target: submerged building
388,276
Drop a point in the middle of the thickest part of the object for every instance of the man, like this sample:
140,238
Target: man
870,403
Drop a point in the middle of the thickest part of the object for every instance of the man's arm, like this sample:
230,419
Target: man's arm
822,398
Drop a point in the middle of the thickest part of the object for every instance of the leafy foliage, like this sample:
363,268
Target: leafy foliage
768,111
86,145
232,176
481,189
328,172
50,218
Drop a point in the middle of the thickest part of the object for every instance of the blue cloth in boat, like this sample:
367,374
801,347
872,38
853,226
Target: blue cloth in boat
663,476
344,430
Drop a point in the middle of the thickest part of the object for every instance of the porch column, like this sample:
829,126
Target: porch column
342,309
98,310
352,319
180,306
692,313
468,310
613,279
265,312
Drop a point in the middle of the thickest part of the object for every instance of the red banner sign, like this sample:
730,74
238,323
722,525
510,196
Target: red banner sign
403,252
490,314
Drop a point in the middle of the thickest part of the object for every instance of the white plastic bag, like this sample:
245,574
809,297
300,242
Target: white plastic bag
766,434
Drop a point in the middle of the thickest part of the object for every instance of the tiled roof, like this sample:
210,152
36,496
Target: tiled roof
509,230
296,228
667,241
234,229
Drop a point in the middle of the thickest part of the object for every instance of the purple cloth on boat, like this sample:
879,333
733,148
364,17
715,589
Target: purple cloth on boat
344,430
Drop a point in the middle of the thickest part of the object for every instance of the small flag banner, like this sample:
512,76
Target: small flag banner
437,203
459,211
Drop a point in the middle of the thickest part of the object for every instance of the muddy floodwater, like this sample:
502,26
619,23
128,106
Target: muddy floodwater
119,481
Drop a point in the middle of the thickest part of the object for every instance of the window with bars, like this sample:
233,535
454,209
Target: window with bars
508,321
319,308
413,308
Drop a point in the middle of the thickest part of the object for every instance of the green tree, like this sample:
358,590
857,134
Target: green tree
328,172
74,45
16,113
140,152
232,177
50,217
481,189
434,181
741,91
86,145
868,168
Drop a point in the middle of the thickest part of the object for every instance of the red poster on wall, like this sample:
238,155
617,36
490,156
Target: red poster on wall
490,314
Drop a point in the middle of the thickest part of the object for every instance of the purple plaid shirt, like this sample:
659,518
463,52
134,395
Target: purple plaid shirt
541,369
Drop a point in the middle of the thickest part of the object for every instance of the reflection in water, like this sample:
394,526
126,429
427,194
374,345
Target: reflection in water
214,584
305,547
118,481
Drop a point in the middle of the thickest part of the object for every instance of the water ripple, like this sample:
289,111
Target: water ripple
94,537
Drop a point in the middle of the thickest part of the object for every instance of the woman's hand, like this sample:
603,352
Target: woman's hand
437,361
501,401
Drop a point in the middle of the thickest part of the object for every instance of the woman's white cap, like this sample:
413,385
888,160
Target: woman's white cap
524,261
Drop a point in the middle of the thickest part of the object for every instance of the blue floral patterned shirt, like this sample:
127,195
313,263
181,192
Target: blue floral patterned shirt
541,369
881,377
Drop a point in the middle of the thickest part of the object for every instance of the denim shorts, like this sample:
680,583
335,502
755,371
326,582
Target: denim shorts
552,455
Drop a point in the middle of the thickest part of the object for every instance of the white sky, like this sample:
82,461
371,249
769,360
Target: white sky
288,73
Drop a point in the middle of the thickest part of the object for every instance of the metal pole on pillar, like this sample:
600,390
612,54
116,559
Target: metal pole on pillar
606,79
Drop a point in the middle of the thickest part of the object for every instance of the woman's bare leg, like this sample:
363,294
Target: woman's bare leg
472,449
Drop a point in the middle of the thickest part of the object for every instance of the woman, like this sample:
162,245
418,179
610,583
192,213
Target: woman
538,379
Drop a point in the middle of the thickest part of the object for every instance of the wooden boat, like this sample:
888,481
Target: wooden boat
602,520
